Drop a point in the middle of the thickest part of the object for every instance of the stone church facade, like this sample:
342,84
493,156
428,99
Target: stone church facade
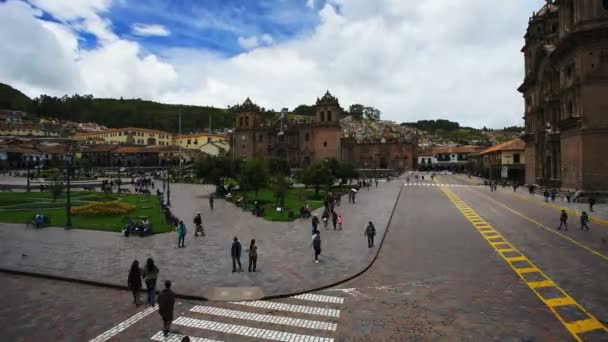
566,95
303,140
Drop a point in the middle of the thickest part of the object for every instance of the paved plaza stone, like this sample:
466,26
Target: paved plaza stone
203,268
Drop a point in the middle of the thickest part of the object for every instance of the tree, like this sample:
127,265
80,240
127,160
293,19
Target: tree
56,188
371,113
304,110
280,185
347,171
254,175
278,166
356,111
317,174
212,169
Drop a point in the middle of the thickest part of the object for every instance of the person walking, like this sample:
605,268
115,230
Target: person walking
134,281
253,256
546,195
198,225
584,221
211,202
181,234
334,219
340,221
315,223
370,232
316,245
325,218
166,302
150,274
235,252
591,203
563,220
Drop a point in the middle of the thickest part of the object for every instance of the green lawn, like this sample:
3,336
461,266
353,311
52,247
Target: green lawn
21,207
293,202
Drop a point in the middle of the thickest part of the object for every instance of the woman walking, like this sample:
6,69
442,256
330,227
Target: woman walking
150,275
134,281
584,221
340,221
253,256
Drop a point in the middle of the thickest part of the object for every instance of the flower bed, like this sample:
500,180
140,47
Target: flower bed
103,209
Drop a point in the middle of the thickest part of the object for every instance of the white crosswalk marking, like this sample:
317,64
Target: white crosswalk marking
320,298
172,337
249,316
310,310
124,325
439,184
248,331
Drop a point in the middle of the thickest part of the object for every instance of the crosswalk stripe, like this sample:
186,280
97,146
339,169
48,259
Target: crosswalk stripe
172,337
320,298
310,310
124,325
249,316
248,331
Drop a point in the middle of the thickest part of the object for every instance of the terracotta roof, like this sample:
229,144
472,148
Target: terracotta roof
99,148
114,130
454,149
196,135
512,145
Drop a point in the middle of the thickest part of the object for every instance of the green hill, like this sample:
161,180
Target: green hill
11,98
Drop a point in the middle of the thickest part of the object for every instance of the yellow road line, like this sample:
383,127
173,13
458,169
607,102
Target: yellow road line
557,207
552,230
575,328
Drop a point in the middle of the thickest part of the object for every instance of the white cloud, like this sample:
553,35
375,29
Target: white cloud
248,43
310,4
150,30
413,60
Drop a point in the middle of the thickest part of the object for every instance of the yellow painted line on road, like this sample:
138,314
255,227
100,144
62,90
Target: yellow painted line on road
590,323
552,230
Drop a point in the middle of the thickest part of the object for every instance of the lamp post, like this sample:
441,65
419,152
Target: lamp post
168,189
28,176
68,204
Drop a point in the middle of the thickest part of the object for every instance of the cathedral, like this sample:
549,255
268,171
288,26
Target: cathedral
326,135
565,91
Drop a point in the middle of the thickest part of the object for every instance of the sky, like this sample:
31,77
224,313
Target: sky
413,60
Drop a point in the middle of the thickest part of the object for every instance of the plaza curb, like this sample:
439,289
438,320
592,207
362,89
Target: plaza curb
201,298
89,282
324,287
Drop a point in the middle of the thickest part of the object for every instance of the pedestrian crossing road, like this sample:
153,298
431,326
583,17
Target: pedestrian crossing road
441,184
307,317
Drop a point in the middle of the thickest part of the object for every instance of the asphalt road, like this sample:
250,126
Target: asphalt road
459,263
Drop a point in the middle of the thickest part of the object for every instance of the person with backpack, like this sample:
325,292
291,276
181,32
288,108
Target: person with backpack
563,220
370,232
315,223
150,274
235,252
584,221
134,281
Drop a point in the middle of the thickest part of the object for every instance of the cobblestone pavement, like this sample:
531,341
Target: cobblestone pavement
203,268
437,278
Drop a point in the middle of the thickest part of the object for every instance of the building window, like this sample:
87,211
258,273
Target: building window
260,138
247,121
516,159
208,139
325,144
307,137
322,116
570,109
554,28
605,4
241,121
328,115
195,141
569,72
188,143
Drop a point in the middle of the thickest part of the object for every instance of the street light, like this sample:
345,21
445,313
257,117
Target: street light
168,189
69,158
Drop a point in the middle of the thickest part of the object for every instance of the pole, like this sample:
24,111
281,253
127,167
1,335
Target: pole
180,145
28,177
118,180
233,139
168,189
68,207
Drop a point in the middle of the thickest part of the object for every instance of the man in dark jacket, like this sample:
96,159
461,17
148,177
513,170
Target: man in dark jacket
235,252
166,301
370,232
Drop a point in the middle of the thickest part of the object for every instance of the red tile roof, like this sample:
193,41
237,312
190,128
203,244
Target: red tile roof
512,145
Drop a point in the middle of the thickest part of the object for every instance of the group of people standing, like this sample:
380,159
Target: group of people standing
236,251
165,298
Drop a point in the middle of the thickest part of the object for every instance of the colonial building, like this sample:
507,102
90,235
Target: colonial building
302,140
126,136
565,90
504,161
454,158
